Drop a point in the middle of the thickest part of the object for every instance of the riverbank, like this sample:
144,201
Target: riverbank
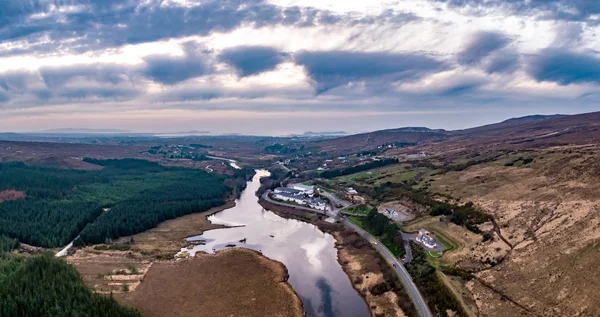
231,282
168,237
370,275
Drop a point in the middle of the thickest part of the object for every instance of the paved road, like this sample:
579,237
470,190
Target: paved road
410,286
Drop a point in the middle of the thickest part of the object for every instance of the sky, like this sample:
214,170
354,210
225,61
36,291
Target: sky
276,67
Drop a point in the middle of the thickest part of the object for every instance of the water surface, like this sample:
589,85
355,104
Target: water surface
307,252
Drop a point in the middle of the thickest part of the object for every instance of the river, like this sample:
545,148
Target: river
308,253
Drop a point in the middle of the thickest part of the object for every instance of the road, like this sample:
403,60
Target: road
233,163
400,270
335,201
65,250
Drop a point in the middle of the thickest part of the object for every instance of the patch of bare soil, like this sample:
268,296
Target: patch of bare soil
11,194
235,282
550,212
110,271
406,209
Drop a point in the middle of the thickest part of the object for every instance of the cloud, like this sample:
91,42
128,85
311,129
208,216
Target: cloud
58,76
565,67
503,62
110,93
460,89
88,25
481,46
252,60
571,10
4,97
171,70
330,69
15,81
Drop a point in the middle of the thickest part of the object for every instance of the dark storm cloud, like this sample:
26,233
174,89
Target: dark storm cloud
252,60
572,10
336,68
482,45
565,67
99,24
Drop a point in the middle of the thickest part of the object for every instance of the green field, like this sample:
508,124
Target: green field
363,210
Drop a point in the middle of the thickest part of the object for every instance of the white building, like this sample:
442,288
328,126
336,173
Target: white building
351,191
391,213
289,194
317,203
425,238
307,190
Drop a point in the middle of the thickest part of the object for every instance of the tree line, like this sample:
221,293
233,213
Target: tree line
140,194
382,226
437,295
8,244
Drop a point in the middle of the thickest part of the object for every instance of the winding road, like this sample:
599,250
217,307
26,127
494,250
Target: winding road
400,270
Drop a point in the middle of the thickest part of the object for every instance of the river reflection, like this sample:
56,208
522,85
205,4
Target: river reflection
307,252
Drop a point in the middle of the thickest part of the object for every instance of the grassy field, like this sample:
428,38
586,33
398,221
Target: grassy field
363,210
398,173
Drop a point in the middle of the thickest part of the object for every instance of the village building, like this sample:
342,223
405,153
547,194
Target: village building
391,213
299,197
307,190
425,238
317,203
289,194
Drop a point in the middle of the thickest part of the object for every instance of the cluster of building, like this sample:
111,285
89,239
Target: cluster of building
425,238
301,195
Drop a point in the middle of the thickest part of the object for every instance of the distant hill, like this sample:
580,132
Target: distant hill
83,131
324,133
529,131
532,118
372,140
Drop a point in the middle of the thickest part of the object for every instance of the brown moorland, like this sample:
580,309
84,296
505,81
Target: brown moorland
234,282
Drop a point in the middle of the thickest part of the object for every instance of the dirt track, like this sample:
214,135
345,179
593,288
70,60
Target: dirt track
236,282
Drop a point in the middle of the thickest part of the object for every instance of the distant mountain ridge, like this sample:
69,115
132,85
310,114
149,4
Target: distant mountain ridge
533,130
534,117
83,130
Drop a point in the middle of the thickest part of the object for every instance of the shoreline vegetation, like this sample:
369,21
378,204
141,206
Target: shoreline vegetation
369,274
